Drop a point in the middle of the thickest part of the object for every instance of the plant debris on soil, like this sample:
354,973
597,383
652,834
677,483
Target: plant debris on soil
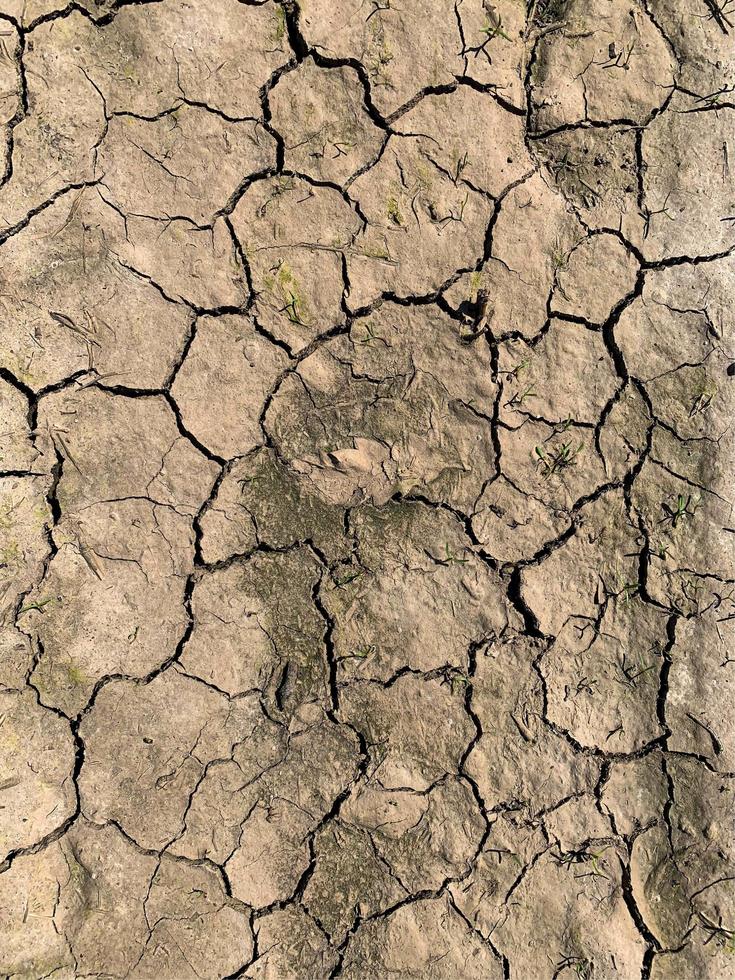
366,489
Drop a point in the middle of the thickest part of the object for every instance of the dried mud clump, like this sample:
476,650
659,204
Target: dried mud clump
366,489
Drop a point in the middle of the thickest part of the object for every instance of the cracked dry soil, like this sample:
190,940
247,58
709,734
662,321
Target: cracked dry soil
366,479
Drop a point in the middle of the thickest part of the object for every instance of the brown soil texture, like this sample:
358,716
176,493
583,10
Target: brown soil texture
366,489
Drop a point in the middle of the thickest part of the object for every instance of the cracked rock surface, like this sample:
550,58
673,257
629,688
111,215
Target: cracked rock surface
367,591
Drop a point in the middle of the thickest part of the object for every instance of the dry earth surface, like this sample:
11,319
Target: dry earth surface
366,481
